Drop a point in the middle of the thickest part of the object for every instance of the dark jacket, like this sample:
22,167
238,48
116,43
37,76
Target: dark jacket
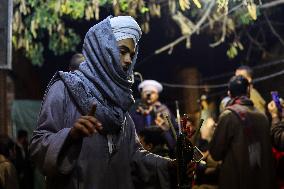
242,141
277,135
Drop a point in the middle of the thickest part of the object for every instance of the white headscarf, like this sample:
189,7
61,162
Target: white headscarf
125,27
150,85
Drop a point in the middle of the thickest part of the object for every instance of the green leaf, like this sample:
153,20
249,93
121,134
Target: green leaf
123,5
62,43
144,10
35,54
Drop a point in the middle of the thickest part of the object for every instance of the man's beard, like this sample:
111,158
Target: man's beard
125,68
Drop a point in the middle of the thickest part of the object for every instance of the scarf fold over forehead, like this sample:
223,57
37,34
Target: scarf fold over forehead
100,79
124,27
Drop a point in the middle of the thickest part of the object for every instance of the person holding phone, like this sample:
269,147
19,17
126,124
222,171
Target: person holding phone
277,135
277,126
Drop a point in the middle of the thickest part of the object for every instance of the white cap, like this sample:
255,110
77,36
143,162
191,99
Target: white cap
150,85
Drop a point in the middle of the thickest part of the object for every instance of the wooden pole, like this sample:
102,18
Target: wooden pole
190,76
3,103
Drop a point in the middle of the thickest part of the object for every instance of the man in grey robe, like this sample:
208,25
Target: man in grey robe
85,138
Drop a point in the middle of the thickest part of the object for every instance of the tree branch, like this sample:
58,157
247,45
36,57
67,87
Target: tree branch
255,41
271,4
206,14
196,28
273,29
224,31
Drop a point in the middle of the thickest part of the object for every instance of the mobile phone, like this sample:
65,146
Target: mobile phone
276,99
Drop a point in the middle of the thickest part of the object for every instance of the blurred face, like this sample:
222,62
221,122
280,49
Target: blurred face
149,97
248,92
243,73
127,52
204,104
146,146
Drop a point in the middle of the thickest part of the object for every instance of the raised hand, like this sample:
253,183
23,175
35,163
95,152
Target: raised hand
272,109
159,121
191,167
207,130
85,126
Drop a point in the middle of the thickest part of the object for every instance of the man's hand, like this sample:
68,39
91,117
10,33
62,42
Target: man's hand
159,121
85,126
272,109
207,130
191,167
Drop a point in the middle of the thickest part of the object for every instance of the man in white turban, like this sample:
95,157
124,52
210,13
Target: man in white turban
85,137
149,111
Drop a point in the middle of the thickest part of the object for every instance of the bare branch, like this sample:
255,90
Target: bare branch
222,39
255,41
206,14
273,29
271,4
196,28
249,51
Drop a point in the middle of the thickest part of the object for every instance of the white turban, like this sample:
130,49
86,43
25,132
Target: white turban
150,85
124,27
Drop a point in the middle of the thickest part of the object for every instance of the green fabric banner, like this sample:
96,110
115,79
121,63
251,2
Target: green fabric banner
24,115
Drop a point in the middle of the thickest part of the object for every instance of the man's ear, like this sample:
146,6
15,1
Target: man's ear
229,94
248,91
249,80
150,146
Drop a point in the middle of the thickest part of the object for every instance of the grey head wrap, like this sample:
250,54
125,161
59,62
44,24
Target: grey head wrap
124,27
100,79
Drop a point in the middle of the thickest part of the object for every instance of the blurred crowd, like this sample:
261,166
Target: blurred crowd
242,143
16,169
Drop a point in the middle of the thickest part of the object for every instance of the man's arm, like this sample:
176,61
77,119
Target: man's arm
222,136
51,147
277,127
9,177
149,170
277,135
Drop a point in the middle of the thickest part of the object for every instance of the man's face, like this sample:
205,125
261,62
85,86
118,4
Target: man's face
127,52
24,141
150,97
243,73
146,146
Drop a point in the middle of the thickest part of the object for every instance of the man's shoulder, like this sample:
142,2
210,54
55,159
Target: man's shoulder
226,113
234,113
243,112
161,106
55,88
253,91
55,91
255,95
57,85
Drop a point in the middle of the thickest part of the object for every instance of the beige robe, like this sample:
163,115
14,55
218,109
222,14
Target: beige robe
258,101
8,174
